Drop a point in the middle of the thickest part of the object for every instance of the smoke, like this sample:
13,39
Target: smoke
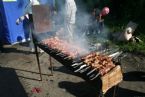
83,28
79,34
83,32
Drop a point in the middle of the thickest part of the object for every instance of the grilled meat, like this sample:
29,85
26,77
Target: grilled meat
70,50
101,63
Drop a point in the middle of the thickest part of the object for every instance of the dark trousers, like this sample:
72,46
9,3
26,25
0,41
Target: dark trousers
1,47
96,27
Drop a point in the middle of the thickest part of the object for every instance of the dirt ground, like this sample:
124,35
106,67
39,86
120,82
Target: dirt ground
19,76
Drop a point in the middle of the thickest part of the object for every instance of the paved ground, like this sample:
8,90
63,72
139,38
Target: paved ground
19,74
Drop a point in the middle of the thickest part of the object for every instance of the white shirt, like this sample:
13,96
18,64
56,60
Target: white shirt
28,9
70,11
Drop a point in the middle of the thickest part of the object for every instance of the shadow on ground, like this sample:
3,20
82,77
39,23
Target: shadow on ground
134,76
82,89
122,92
17,48
10,85
14,50
62,69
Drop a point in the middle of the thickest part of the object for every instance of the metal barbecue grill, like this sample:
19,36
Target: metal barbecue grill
90,64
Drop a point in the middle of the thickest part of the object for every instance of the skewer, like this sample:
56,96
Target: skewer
58,53
95,76
76,64
78,60
80,68
68,58
115,54
91,76
91,71
84,70
111,51
61,54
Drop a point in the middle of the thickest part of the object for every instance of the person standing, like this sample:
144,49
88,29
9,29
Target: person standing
99,18
28,15
70,18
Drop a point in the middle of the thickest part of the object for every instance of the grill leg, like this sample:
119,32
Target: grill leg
38,61
115,90
101,94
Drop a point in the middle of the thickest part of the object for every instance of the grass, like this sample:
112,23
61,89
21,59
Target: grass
117,26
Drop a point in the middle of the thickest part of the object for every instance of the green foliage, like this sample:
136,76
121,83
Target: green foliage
132,47
129,10
121,12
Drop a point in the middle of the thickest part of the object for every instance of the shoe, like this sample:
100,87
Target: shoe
41,51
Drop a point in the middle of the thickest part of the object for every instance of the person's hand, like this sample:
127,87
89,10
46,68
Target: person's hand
19,20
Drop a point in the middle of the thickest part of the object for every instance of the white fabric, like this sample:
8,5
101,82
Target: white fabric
70,11
127,35
70,30
28,9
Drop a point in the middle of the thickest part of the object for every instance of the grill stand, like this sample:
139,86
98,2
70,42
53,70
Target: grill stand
101,94
38,61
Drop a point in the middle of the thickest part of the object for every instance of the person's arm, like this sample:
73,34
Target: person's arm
26,14
22,18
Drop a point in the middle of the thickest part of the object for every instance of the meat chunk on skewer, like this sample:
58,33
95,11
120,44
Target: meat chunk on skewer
68,49
102,63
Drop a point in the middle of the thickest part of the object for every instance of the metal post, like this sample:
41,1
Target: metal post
114,92
38,61
101,94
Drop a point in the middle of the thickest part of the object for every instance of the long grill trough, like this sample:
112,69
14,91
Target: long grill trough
91,64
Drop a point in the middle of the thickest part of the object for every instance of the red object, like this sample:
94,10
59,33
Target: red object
105,11
36,90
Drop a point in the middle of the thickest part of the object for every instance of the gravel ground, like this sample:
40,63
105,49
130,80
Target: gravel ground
19,76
